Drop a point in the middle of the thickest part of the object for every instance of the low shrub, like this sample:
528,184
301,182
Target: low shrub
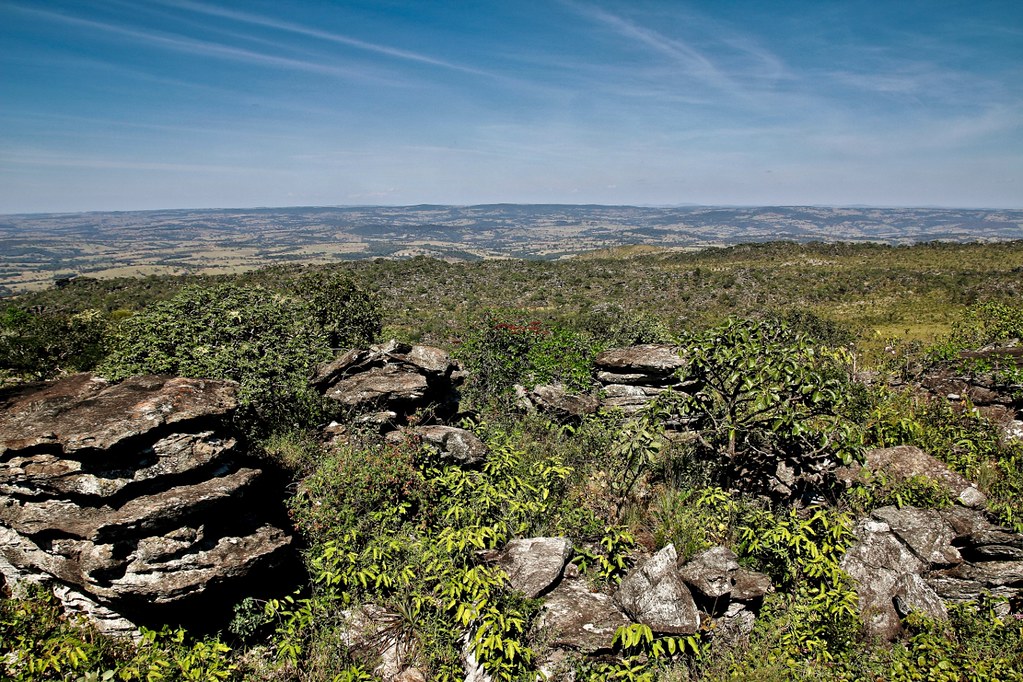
268,344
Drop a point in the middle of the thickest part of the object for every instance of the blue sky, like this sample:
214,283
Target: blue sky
134,104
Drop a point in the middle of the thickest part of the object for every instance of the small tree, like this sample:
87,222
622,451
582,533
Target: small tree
503,350
267,343
768,401
348,314
39,345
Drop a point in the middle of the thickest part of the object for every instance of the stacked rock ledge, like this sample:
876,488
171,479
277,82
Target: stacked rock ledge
633,376
131,496
385,385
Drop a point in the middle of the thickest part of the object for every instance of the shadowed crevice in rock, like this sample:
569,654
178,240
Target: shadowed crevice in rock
224,463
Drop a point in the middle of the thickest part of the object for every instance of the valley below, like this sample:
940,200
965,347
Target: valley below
36,249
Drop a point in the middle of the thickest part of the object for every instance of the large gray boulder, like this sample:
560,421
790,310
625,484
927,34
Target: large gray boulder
654,594
633,376
132,495
649,360
912,594
925,532
749,586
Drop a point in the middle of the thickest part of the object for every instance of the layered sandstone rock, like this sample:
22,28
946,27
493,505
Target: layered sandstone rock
132,495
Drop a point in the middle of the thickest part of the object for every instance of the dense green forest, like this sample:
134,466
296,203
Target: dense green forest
803,353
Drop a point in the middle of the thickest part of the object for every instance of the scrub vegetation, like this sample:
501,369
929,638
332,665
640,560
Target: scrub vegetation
778,337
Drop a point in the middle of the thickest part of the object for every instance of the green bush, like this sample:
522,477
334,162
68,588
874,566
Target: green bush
695,519
612,326
359,489
39,643
980,325
347,314
916,491
267,343
765,393
40,345
817,330
395,526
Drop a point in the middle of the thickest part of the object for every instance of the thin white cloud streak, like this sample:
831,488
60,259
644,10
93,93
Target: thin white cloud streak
279,25
192,47
738,72
692,59
100,163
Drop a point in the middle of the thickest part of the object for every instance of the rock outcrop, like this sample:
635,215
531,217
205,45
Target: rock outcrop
449,442
631,377
557,401
387,384
923,559
133,495
574,617
989,390
534,564
659,592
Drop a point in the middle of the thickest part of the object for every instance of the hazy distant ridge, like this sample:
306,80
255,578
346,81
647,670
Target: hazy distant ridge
35,247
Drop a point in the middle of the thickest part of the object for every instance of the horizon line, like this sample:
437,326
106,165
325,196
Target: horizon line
687,205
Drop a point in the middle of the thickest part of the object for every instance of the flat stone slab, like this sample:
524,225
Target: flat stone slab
576,618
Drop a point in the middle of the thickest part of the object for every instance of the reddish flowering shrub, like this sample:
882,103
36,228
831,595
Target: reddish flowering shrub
503,351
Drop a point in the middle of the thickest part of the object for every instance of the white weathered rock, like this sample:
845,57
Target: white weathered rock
654,594
913,594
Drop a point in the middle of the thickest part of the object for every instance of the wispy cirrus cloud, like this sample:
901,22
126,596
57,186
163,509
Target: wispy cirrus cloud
193,46
693,60
723,58
268,22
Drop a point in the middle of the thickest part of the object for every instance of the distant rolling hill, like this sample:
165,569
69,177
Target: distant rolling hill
36,248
